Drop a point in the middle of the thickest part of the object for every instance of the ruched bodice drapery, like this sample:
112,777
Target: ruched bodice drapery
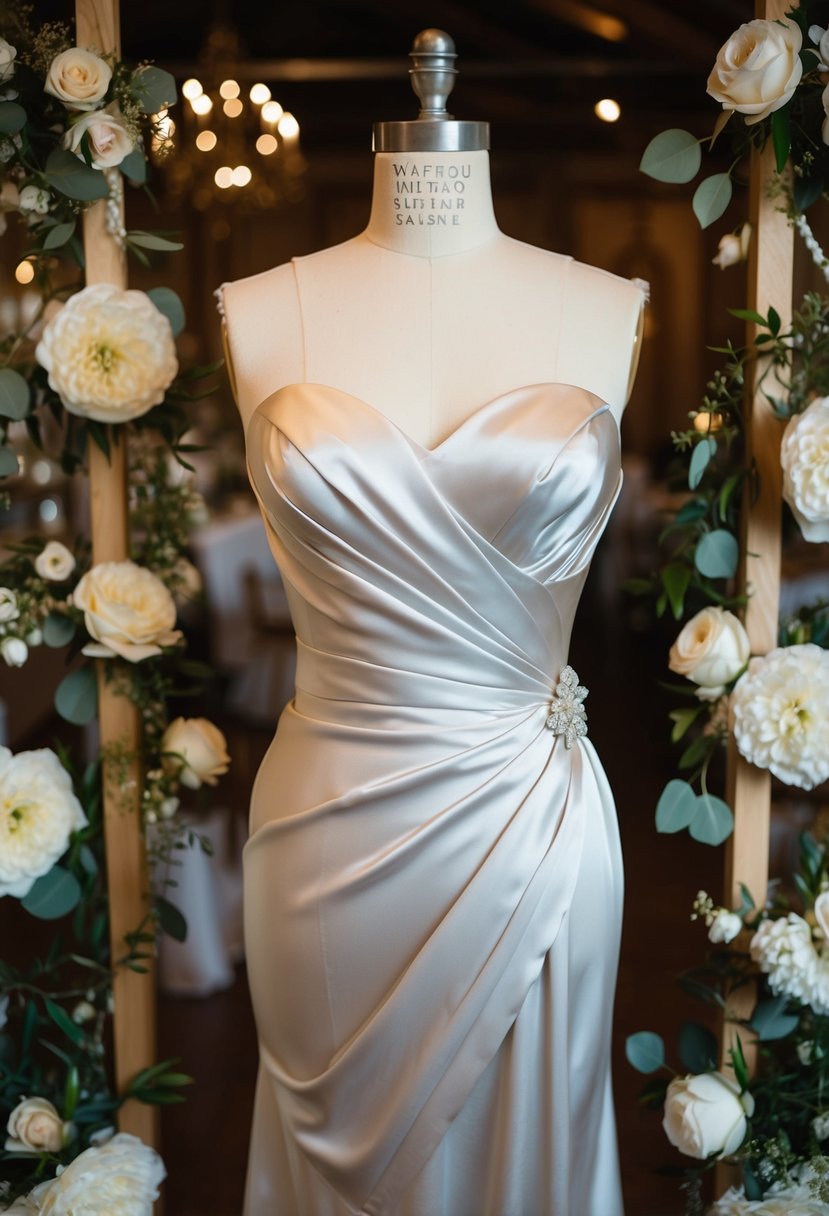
420,837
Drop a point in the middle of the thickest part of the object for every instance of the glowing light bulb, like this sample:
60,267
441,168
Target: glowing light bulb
266,144
272,111
229,89
201,104
24,272
241,175
233,108
191,89
259,94
223,177
288,127
607,110
206,141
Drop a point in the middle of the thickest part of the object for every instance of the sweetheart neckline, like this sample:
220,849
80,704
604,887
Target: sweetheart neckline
424,451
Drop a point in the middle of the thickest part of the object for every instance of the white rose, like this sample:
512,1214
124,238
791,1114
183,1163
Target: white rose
820,37
198,751
14,651
758,69
706,1114
804,455
109,139
110,354
9,610
127,610
55,563
8,54
38,814
712,649
733,248
122,1176
35,1126
725,926
34,199
781,714
78,78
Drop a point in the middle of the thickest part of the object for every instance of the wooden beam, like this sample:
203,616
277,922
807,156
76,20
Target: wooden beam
127,880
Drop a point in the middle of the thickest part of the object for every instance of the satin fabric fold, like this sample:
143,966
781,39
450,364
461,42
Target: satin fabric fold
419,836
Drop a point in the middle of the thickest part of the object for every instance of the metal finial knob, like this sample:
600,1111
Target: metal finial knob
433,72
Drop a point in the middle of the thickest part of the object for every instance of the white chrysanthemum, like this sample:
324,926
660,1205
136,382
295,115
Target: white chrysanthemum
38,814
805,458
785,951
781,714
121,1176
109,353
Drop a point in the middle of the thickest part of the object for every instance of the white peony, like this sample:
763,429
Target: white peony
804,455
38,814
14,652
109,138
725,926
109,353
55,563
34,199
758,69
122,1176
8,54
712,649
197,751
9,610
34,1126
784,951
781,714
78,78
127,610
706,1115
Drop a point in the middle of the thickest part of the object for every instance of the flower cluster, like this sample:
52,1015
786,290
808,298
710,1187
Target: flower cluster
38,576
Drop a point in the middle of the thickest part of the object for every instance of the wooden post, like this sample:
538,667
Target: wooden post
134,993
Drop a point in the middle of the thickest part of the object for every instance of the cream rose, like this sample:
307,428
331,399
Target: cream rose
127,610
804,455
35,1126
8,54
121,1176
55,563
712,650
758,68
14,651
109,353
38,814
78,78
9,610
197,751
706,1115
109,139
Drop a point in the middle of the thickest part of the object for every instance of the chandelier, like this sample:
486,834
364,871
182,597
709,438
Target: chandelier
230,146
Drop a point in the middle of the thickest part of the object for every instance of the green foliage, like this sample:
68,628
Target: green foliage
645,1051
711,198
672,156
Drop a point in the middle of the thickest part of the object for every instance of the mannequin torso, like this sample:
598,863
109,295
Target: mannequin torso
432,311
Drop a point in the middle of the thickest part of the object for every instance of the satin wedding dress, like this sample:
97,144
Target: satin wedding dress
433,881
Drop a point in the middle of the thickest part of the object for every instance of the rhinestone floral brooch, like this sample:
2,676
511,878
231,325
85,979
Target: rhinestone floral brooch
567,715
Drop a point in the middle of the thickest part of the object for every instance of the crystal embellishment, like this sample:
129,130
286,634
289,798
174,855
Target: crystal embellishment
568,716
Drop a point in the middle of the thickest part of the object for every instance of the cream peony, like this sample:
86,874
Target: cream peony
712,650
784,950
78,78
8,54
109,353
9,610
38,814
706,1115
14,652
127,610
197,751
804,455
109,138
55,563
758,69
781,714
35,1126
122,1176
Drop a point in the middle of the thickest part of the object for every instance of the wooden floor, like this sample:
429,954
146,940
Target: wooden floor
205,1141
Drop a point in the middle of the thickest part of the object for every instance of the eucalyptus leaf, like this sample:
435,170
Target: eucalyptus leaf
673,156
717,554
697,1047
87,860
12,118
676,807
770,1021
58,630
169,303
153,89
59,235
645,1051
711,198
68,174
703,452
76,697
9,466
53,894
14,394
172,920
149,240
134,166
712,820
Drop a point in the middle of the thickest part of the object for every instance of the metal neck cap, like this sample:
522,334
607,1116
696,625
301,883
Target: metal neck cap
432,75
